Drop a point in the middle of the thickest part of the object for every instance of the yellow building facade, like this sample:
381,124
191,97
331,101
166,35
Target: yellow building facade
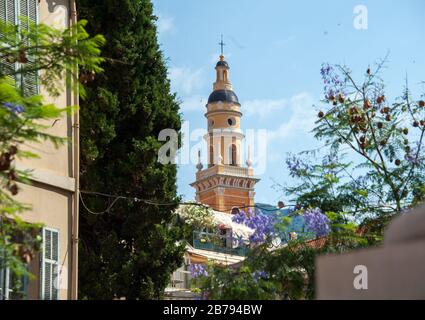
53,193
227,182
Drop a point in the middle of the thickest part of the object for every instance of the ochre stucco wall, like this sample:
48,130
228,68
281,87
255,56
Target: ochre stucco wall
51,200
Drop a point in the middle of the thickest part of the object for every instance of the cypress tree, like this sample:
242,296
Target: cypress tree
130,250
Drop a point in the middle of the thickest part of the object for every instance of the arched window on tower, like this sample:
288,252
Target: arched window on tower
211,163
233,154
225,75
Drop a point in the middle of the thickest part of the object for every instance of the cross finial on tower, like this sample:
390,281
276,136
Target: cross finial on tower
222,44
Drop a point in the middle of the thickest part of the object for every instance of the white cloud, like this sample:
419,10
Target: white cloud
165,24
302,117
193,103
185,80
263,108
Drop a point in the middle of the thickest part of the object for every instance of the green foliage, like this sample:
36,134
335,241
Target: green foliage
384,174
288,271
57,52
235,284
24,119
375,161
130,251
385,136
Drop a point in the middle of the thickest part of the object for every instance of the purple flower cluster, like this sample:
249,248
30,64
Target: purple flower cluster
333,85
412,159
263,225
316,222
12,107
198,270
257,275
296,166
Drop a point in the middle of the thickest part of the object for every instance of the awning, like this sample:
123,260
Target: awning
203,256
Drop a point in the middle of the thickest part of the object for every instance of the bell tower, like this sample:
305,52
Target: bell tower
225,183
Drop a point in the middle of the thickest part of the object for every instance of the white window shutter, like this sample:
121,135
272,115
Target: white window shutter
8,12
28,9
49,267
12,11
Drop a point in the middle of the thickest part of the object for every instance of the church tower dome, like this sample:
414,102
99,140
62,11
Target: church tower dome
225,183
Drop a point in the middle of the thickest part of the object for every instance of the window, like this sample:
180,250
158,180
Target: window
233,155
231,121
210,123
49,266
225,75
211,156
11,286
11,11
235,210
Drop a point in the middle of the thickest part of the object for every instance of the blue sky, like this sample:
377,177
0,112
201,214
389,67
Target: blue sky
275,50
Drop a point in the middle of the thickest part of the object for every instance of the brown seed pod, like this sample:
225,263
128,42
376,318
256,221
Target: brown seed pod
367,104
388,117
407,149
383,142
368,71
362,139
406,141
397,162
11,175
379,100
415,124
13,150
84,78
405,131
13,189
380,125
421,103
4,161
363,145
341,98
320,114
422,122
22,57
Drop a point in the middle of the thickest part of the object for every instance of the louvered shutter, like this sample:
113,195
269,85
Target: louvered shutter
28,9
3,287
50,265
11,11
8,9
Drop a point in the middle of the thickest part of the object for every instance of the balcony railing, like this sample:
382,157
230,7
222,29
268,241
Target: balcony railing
218,243
225,169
